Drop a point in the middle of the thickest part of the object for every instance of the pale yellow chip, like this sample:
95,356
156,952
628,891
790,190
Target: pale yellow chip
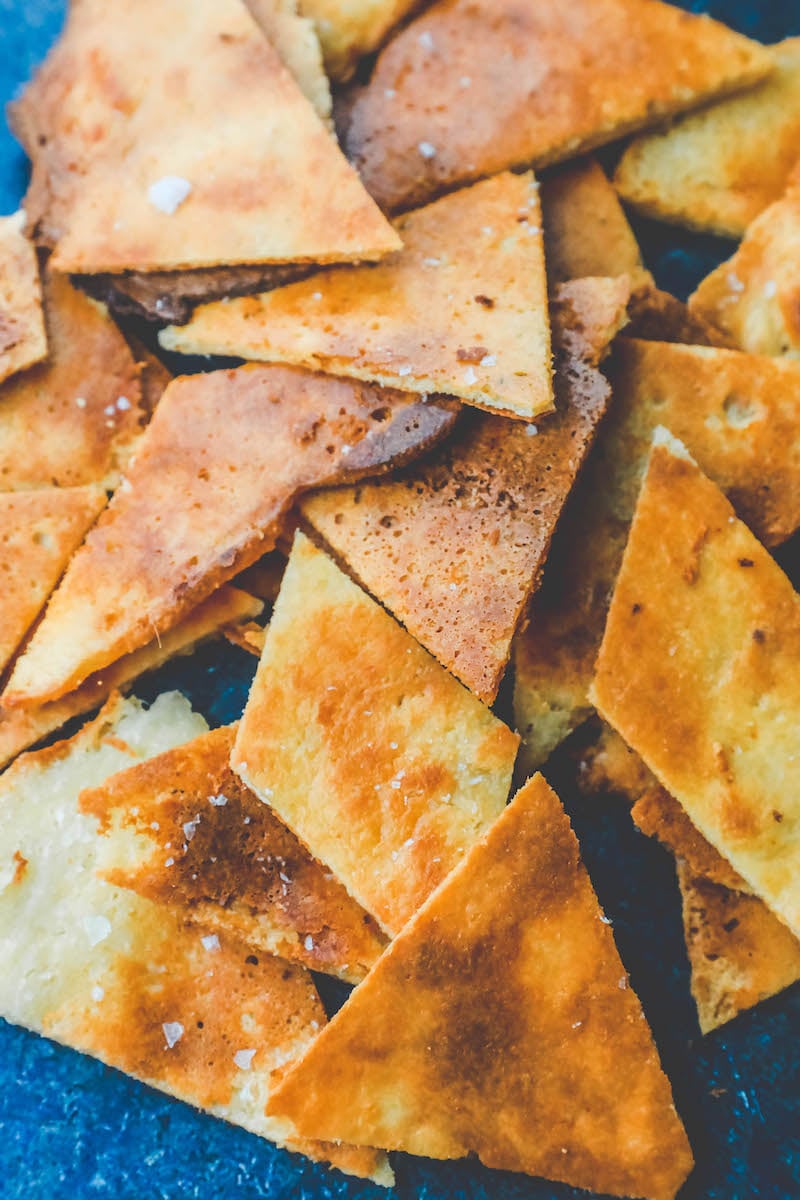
385,767
171,136
109,973
296,40
698,671
349,29
738,415
23,340
754,297
461,309
501,1022
717,169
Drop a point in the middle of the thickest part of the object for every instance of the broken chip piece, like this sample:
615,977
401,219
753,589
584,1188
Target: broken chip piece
296,40
349,29
658,815
23,340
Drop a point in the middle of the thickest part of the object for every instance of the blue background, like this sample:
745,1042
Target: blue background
70,1127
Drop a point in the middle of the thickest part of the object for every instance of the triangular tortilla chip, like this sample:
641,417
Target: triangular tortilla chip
754,296
21,728
740,954
219,465
470,88
698,671
501,1021
385,767
119,977
295,38
606,765
738,415
462,308
454,545
224,159
74,419
38,533
586,232
658,815
183,830
717,169
23,340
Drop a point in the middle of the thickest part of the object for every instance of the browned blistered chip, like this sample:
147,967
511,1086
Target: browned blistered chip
658,815
415,321
470,88
454,545
698,671
183,830
218,467
23,340
501,1022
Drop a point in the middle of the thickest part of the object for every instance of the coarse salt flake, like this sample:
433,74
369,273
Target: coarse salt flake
170,862
80,401
173,1032
123,403
531,430
244,1059
308,942
97,993
97,929
210,942
218,801
404,370
489,360
770,289
190,828
168,193
427,150
425,40
470,376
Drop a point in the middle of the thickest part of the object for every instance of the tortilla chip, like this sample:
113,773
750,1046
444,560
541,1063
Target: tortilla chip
461,309
586,231
740,954
656,316
349,29
717,169
455,545
295,38
183,830
738,415
385,767
38,533
501,1022
153,375
658,815
21,728
223,157
698,671
220,463
263,579
470,88
755,296
113,975
76,418
249,637
23,340
607,765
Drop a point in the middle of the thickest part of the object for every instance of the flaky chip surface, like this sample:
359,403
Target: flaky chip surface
500,1021
738,415
223,158
461,309
698,671
717,169
502,83
385,767
183,830
218,467
349,29
38,533
23,340
454,545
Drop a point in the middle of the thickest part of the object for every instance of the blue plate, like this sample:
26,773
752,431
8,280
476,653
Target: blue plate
71,1128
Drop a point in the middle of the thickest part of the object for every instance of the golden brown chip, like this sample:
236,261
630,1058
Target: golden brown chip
116,976
24,727
717,169
385,767
454,545
249,637
224,160
298,45
183,830
75,418
23,340
738,415
471,88
739,952
38,533
349,29
656,316
658,815
501,1022
605,764
461,309
219,465
698,671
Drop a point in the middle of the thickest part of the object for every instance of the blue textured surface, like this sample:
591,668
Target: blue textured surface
71,1128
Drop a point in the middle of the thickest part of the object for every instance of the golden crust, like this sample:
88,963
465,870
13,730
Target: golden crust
219,466
500,1021
698,671
295,38
385,767
232,865
23,340
461,309
349,29
658,815
545,82
717,169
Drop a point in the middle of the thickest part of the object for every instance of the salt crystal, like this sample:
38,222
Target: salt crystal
734,282
210,942
170,862
168,193
404,370
531,430
427,150
489,360
218,801
81,403
425,39
173,1032
392,745
308,942
431,262
109,410
770,289
123,403
155,825
470,376
97,994
285,878
316,295
465,81
389,93
97,929
190,828
623,983
244,1059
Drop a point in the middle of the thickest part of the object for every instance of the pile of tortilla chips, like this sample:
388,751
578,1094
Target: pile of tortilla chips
469,450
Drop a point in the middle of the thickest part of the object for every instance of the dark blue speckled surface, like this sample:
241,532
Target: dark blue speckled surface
72,1128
